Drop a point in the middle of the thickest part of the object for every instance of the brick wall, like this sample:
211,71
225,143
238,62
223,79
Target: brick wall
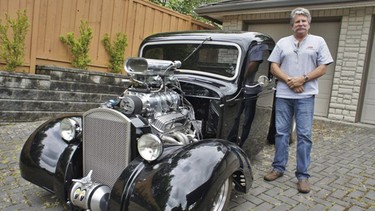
355,34
350,64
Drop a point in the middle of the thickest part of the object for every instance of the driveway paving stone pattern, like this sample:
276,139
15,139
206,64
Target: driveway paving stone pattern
342,173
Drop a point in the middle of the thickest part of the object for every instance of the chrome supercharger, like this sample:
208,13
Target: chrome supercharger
89,195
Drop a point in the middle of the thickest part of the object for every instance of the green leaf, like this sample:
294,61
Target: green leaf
79,47
12,47
116,51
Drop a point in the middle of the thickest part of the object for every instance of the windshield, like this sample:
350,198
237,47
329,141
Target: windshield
212,59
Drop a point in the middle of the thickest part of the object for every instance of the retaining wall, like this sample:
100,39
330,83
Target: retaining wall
54,91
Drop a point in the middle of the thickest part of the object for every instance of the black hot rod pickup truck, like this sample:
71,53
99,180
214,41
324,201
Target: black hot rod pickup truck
172,140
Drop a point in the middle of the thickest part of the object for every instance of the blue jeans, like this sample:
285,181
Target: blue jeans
303,110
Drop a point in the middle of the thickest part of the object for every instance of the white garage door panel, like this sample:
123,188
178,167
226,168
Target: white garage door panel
371,87
322,100
330,32
368,110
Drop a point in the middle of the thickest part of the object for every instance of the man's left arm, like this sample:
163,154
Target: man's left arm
318,72
324,59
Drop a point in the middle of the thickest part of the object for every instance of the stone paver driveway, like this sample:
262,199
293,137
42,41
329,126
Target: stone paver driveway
342,169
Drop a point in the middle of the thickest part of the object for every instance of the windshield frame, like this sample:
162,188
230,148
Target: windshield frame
198,42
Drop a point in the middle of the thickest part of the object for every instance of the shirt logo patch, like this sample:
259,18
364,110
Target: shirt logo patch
310,47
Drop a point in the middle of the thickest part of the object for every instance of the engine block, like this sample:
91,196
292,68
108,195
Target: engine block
155,95
150,104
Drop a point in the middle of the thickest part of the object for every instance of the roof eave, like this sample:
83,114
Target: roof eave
217,12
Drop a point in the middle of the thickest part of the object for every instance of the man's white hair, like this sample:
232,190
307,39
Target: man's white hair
300,11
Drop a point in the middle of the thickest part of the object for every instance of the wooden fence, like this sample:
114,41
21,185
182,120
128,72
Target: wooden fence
50,19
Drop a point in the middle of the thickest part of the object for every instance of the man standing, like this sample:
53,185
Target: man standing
297,61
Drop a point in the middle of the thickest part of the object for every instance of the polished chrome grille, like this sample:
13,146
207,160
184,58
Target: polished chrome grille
106,144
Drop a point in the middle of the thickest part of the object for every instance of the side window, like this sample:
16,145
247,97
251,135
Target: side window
264,67
257,63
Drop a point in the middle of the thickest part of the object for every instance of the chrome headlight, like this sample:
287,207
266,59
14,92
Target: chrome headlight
150,147
69,129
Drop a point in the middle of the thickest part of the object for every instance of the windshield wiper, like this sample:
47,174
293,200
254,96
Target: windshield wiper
199,46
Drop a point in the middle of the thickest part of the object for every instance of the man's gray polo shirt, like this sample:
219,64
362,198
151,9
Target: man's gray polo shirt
298,60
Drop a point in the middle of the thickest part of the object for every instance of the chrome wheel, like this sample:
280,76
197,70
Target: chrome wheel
222,197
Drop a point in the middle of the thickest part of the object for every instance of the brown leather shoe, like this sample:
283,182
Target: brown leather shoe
271,176
303,186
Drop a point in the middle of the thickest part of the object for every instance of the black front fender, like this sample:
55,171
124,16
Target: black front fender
45,158
184,179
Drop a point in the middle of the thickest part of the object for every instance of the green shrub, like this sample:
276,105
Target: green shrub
79,47
12,47
116,51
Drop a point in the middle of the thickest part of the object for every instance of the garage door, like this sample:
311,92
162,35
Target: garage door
330,32
368,110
